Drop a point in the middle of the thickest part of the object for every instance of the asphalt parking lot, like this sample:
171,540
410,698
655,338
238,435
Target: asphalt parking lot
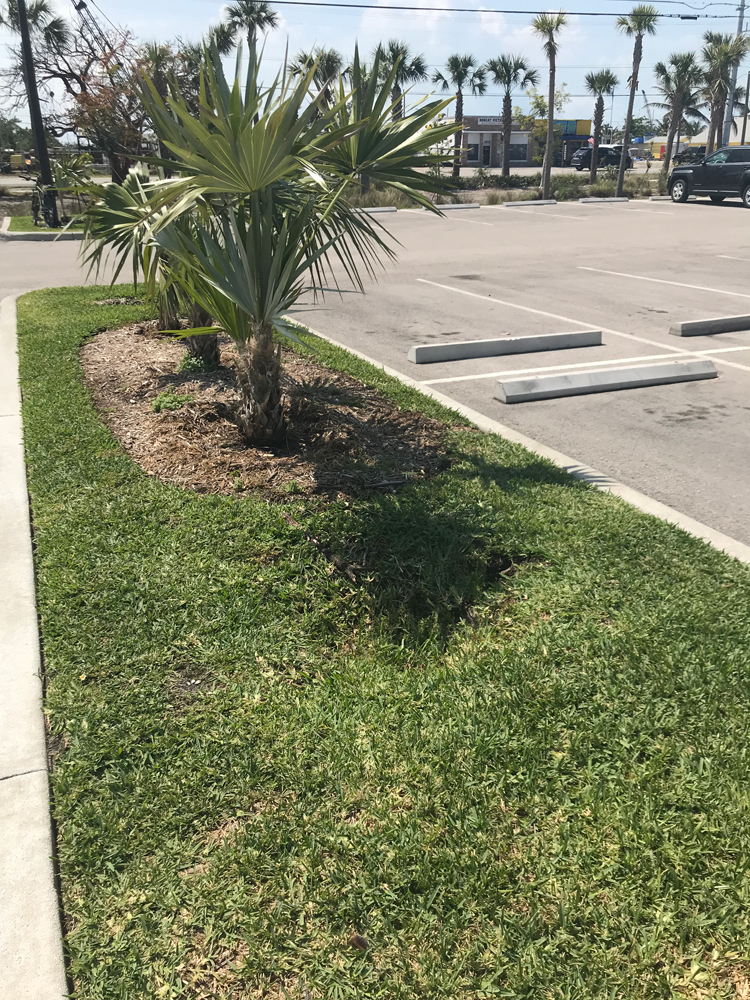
630,270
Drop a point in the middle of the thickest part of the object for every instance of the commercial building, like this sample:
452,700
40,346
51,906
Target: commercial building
482,141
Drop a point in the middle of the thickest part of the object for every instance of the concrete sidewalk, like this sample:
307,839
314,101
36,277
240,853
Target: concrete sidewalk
31,955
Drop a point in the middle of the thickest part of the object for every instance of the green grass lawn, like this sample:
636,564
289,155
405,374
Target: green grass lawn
25,224
513,758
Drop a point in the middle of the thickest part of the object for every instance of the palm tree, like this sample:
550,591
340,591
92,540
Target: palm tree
601,82
461,73
639,22
721,54
43,21
250,16
328,65
677,80
223,36
408,69
259,214
510,72
547,27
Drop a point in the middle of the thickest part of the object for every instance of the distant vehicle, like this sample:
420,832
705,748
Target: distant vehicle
723,174
693,154
609,156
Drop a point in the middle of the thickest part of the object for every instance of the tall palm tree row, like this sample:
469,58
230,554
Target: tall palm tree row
548,27
678,81
395,57
599,84
639,22
510,72
461,73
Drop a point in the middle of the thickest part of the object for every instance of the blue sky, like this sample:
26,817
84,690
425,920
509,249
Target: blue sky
586,43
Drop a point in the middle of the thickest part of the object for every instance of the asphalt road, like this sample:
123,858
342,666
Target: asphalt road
631,270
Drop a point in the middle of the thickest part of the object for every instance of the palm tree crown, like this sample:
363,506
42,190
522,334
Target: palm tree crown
510,72
640,21
678,81
250,16
601,83
408,69
42,20
328,64
548,26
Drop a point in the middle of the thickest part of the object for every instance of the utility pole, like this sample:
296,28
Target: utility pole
747,99
37,125
729,117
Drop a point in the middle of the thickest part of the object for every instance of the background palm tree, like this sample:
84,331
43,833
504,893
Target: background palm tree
548,26
250,16
510,72
43,21
677,80
639,22
223,36
599,83
461,73
409,69
721,53
329,64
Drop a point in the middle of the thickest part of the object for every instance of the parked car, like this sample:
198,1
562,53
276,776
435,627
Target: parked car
609,156
693,154
723,174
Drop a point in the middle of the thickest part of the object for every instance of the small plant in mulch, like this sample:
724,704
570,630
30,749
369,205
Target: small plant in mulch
170,401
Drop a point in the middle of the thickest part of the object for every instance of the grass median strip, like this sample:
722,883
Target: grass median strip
503,754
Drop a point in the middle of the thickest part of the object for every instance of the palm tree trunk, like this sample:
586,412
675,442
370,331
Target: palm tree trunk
548,152
637,54
710,142
507,126
397,101
203,345
598,119
676,117
260,415
458,142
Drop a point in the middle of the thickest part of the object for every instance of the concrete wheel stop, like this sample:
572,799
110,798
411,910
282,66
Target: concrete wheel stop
422,354
709,327
526,390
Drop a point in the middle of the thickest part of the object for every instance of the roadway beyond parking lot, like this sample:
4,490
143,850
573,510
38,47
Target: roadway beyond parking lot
631,270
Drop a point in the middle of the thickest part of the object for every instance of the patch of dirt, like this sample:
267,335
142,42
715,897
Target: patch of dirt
342,436
188,681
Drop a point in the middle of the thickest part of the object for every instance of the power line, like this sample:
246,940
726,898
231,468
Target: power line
478,10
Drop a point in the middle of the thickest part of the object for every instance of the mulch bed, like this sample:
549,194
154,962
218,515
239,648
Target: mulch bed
342,436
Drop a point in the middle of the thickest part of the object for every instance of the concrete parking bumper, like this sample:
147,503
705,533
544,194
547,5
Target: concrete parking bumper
422,354
708,327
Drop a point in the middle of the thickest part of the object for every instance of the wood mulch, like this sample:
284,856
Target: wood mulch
342,437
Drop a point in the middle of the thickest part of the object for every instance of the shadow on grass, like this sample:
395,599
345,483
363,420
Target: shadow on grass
433,555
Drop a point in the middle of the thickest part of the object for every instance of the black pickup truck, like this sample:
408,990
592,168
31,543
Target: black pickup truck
723,174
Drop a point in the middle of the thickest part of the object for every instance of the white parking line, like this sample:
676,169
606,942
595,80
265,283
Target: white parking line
645,211
727,256
581,322
662,281
545,213
472,222
578,364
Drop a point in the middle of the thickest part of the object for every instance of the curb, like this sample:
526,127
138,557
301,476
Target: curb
732,547
31,951
455,204
530,201
42,236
